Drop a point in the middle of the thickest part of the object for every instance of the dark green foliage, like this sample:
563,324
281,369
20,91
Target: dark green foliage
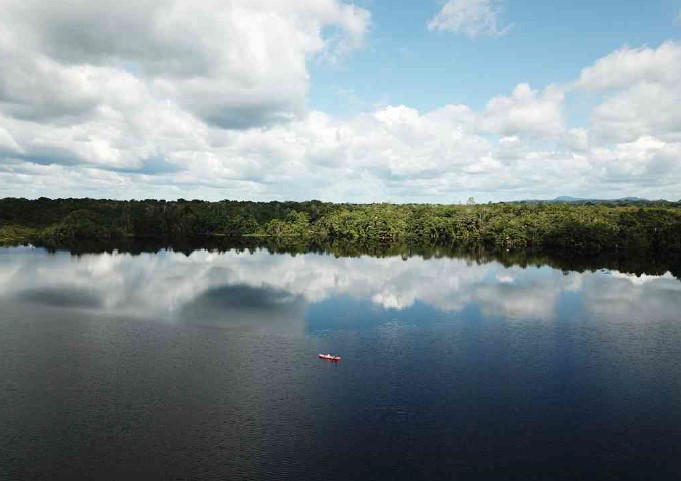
584,227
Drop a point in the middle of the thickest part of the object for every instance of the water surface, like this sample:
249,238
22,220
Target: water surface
203,366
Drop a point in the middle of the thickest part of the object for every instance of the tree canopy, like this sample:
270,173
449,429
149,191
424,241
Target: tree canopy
584,227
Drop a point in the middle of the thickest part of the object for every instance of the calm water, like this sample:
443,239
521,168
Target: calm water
167,366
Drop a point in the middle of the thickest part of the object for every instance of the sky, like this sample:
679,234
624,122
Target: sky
371,101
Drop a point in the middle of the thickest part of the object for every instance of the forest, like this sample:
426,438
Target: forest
581,227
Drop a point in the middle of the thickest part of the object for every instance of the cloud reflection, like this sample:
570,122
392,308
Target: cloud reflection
207,287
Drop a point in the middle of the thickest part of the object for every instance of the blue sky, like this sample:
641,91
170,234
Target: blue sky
365,101
550,41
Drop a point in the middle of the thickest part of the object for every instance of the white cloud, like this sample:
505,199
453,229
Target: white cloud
8,145
224,62
472,18
163,111
576,140
629,66
393,153
644,92
646,108
645,161
526,111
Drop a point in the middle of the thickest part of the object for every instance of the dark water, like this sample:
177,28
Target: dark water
167,366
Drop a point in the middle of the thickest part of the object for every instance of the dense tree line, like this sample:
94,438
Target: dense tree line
584,227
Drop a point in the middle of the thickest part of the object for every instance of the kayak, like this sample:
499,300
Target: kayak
330,357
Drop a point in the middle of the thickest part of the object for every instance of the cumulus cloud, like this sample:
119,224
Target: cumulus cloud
525,112
646,161
643,92
204,99
8,145
472,18
646,108
628,66
394,152
232,64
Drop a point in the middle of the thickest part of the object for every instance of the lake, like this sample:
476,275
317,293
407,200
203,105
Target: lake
203,365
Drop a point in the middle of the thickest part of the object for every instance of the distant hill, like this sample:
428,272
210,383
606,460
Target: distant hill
567,198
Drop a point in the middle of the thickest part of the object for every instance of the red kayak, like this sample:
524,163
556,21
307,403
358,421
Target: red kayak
329,357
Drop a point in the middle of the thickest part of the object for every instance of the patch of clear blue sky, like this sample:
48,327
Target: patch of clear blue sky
550,42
